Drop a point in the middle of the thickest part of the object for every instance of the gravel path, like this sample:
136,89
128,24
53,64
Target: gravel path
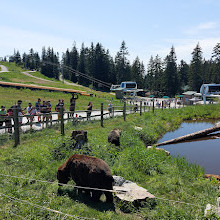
3,69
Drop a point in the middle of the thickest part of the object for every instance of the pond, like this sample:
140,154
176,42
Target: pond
202,151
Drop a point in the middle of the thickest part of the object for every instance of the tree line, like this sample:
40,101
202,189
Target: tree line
162,76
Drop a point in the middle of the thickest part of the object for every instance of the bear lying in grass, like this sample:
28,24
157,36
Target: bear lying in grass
87,171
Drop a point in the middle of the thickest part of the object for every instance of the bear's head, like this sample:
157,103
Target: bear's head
62,176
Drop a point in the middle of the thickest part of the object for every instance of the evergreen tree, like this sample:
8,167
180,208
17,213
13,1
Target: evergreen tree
82,66
137,71
183,72
170,79
122,65
195,76
66,62
216,65
74,59
149,79
17,57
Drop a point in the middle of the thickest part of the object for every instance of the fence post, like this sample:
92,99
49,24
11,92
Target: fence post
102,115
140,108
124,111
16,126
61,120
153,106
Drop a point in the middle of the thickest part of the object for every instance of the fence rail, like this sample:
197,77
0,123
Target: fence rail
13,124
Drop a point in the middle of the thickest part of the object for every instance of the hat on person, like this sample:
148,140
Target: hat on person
2,106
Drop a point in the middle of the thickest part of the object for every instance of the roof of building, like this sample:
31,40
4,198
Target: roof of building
189,93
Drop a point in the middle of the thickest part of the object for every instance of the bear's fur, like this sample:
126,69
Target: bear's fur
114,137
87,171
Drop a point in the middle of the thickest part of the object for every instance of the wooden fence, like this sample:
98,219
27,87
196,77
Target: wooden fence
14,126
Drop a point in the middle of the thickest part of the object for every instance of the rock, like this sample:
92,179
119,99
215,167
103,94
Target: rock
118,180
138,128
161,149
130,191
211,210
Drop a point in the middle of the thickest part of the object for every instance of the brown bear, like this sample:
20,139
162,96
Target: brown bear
114,137
87,171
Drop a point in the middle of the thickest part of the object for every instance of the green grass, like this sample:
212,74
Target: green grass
9,97
16,75
40,153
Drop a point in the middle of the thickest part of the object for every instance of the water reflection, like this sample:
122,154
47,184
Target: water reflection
203,151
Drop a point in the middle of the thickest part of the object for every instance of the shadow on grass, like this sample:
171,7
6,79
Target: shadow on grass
86,199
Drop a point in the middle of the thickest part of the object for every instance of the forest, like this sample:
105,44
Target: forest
94,67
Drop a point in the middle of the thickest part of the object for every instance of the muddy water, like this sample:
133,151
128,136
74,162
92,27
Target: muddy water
203,151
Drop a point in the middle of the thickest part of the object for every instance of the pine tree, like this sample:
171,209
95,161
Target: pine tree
170,79
195,76
183,72
74,59
137,72
82,65
122,65
216,64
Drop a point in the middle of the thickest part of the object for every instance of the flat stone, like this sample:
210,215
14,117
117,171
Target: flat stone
211,209
130,191
138,128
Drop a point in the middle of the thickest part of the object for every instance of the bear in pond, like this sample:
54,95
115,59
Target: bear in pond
87,171
114,137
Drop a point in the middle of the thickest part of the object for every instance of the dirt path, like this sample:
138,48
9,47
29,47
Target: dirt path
27,73
3,69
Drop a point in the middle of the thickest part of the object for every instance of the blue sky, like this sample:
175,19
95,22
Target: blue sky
148,27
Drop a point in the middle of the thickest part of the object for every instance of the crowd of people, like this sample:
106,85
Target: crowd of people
42,111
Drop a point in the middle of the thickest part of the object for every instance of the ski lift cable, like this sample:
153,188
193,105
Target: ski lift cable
81,74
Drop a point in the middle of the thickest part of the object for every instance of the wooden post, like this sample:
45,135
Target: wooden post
140,108
124,111
61,120
102,115
162,105
16,126
153,106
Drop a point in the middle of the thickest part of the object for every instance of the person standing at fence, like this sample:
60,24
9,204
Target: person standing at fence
19,107
8,120
44,110
49,107
89,110
38,108
57,107
73,103
2,113
110,108
31,110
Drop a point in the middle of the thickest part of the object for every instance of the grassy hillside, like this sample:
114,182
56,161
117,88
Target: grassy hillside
41,153
9,96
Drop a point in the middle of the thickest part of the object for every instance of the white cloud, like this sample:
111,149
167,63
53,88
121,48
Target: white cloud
202,28
207,25
184,47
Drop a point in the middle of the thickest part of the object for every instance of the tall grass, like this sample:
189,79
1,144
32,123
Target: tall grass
42,152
